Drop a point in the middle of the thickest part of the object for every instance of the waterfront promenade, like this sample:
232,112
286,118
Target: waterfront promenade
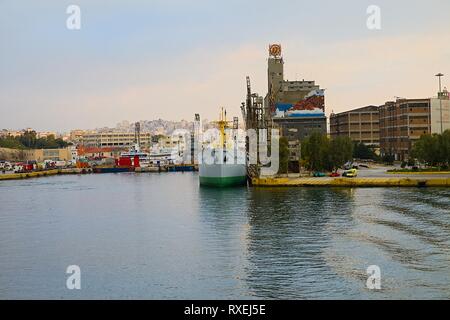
417,181
376,176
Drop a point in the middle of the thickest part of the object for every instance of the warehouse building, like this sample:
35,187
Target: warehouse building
360,125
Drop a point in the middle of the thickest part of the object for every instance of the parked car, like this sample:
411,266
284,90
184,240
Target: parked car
335,174
318,174
350,173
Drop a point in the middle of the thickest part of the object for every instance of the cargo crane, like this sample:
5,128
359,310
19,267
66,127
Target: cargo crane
245,105
258,117
255,114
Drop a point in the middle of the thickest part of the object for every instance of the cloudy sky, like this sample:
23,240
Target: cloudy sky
135,60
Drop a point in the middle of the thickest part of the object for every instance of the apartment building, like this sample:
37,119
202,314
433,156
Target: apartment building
360,125
114,139
401,124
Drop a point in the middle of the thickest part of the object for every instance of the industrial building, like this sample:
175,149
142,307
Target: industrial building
297,107
40,155
114,139
404,121
360,125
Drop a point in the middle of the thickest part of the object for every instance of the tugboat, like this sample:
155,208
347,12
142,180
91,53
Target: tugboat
220,165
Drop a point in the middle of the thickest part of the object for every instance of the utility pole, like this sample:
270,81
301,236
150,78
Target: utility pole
440,75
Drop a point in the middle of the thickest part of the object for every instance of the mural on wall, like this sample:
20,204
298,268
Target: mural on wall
312,105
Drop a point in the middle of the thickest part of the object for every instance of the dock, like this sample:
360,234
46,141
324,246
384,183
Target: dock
51,172
437,181
43,173
26,175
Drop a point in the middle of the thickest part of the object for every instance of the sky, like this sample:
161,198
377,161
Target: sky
142,60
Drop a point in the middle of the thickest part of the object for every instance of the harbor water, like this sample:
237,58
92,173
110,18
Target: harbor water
162,236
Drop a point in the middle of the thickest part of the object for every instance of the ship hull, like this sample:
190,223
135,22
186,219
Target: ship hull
222,175
112,169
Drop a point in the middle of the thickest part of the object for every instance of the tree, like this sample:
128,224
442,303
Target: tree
341,151
284,155
28,140
445,145
362,151
11,142
388,158
316,152
433,150
320,153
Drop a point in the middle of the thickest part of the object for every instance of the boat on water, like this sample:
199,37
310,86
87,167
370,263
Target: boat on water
221,165
136,155
161,158
128,162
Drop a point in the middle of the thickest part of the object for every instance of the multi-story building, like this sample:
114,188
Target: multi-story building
404,121
114,139
360,125
76,136
10,133
440,112
299,128
170,142
45,134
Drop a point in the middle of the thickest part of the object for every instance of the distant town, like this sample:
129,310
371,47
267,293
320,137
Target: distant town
153,127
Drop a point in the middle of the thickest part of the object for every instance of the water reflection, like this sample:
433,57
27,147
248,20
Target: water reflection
162,236
286,236
404,235
223,214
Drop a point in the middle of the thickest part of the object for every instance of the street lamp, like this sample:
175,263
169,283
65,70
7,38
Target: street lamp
440,75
